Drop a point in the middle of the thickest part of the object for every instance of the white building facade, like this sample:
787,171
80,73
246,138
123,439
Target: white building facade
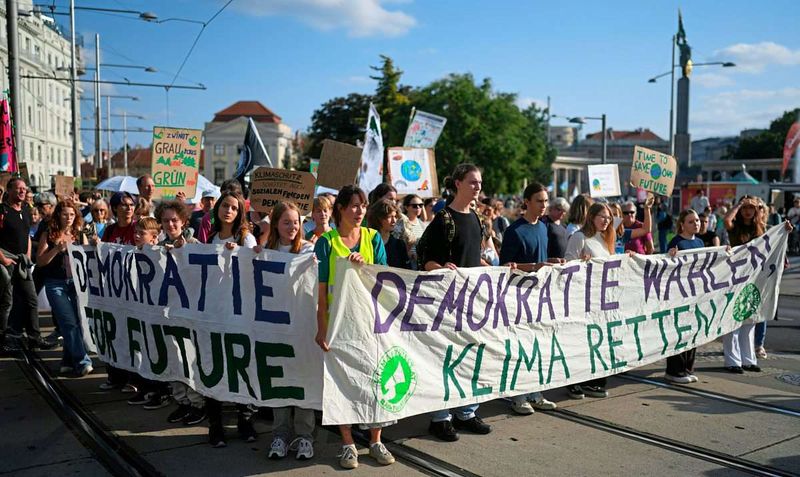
223,138
45,117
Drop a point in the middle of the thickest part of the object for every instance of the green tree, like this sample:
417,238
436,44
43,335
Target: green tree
390,98
768,144
342,119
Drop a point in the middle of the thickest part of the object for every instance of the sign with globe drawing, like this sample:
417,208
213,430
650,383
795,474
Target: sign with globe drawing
413,171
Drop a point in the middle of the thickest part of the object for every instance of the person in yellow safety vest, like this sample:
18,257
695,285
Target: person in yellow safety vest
359,245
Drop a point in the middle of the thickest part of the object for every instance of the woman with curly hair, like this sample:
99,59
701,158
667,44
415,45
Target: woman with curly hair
65,228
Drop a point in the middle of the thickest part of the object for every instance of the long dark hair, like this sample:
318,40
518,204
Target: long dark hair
379,211
54,225
343,200
240,226
459,173
579,209
381,190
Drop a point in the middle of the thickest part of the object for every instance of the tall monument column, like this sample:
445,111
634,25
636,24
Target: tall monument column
683,141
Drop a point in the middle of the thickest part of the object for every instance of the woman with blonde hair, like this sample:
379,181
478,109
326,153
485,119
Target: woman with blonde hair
577,213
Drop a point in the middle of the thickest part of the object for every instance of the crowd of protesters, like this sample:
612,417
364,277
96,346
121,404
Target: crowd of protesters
464,229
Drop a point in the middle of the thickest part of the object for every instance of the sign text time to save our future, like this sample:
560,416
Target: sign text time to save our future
653,171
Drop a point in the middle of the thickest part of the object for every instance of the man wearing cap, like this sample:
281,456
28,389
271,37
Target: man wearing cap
206,204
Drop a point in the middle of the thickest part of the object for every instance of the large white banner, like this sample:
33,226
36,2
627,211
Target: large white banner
404,343
231,324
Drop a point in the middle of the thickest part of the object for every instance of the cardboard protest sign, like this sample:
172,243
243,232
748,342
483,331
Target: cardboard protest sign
653,171
213,303
604,180
64,186
4,178
23,172
339,164
269,186
413,171
484,334
424,130
175,161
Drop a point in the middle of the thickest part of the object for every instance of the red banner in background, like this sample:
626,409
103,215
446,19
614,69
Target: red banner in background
8,156
790,146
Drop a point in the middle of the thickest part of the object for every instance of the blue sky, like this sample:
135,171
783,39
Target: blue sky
589,57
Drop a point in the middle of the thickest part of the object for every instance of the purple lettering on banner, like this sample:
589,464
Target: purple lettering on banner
204,260
130,290
568,271
416,299
698,274
79,269
544,297
733,266
116,271
236,289
712,278
755,252
587,293
652,277
674,277
500,309
400,286
102,273
279,317
144,278
452,304
172,278
606,284
522,298
767,246
473,325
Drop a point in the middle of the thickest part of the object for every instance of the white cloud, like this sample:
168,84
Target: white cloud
524,102
361,18
727,113
754,57
711,80
356,80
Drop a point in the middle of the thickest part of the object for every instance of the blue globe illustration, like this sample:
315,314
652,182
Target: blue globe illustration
411,171
655,171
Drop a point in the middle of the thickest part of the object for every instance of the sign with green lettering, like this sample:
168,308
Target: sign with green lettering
653,171
175,161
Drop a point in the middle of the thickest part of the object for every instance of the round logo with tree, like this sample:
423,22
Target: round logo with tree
655,171
394,380
746,303
411,171
596,184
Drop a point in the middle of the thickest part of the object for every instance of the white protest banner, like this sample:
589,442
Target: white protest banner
370,175
424,130
231,324
653,171
405,343
413,171
604,180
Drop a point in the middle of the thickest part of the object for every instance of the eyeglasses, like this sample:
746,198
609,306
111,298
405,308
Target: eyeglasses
604,218
416,206
629,212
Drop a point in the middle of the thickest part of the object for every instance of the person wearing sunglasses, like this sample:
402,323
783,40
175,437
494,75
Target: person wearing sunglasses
636,234
411,226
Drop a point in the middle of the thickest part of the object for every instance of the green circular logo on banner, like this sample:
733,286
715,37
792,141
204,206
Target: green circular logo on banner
746,303
394,380
655,171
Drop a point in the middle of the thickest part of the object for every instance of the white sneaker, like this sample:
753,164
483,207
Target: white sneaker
277,449
379,452
523,408
86,370
348,458
678,379
305,448
693,378
544,405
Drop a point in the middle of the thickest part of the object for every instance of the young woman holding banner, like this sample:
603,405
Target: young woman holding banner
359,245
230,228
287,238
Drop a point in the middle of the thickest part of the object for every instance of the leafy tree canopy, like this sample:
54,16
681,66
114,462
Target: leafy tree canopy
768,144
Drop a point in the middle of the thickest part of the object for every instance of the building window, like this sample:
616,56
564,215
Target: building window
219,174
219,149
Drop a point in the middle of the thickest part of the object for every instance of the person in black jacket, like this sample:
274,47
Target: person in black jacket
382,216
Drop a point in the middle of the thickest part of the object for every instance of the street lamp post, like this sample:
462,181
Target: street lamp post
603,141
125,137
73,73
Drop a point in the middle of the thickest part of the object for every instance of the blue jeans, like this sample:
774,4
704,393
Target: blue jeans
463,413
64,302
760,334
662,240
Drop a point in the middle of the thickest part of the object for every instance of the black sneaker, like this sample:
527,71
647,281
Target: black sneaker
216,435
474,425
734,369
246,430
595,391
39,343
140,398
443,430
575,392
179,414
752,368
157,401
196,415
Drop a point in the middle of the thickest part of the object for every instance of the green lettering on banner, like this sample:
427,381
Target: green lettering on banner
680,329
266,372
556,357
536,356
506,361
613,344
110,334
703,321
447,370
133,345
476,391
160,364
660,315
635,322
217,360
237,365
728,300
180,334
594,349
